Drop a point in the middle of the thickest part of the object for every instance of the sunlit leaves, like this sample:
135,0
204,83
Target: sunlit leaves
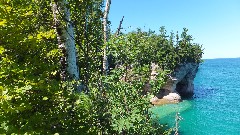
53,53
122,110
23,89
45,98
28,13
1,50
46,35
29,61
145,47
3,22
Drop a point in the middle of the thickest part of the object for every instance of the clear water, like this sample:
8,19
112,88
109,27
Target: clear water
215,108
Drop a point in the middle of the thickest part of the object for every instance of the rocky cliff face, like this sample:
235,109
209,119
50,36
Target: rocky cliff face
182,79
179,83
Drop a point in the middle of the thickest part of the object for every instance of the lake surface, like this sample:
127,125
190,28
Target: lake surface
215,108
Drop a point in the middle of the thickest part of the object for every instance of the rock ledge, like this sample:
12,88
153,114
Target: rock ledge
180,84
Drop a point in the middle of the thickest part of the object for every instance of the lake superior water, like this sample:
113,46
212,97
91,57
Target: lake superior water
215,108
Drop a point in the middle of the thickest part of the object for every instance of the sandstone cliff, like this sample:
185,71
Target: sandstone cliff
179,83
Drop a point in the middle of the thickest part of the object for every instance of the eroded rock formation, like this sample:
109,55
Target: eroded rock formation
180,84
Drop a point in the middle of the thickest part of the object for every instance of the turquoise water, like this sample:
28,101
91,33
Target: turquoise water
215,108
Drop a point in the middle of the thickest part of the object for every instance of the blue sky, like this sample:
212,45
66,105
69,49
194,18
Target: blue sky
213,23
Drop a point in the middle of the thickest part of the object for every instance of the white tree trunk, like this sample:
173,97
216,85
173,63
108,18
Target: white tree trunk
66,41
105,29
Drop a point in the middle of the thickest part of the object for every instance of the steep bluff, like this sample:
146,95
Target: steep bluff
180,84
182,79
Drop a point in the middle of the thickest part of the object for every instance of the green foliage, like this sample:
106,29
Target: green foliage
128,107
86,16
33,99
119,108
29,62
139,48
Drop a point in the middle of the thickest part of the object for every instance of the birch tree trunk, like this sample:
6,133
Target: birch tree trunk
105,29
66,41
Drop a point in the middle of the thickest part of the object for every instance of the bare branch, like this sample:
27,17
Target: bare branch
119,28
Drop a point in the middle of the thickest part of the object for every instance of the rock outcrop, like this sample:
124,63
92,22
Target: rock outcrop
166,99
182,80
180,84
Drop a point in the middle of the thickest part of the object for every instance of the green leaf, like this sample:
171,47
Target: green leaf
3,22
45,98
1,50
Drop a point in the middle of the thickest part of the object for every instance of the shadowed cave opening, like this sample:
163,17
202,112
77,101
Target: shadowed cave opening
185,88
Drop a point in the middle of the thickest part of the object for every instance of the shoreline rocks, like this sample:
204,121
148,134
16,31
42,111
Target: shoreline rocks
171,98
180,84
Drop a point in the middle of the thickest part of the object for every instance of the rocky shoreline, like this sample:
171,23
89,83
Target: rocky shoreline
179,85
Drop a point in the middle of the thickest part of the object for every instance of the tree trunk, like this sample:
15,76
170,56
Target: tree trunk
66,41
105,29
